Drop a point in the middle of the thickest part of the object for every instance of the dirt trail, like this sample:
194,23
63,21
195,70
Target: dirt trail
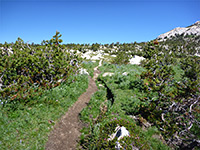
66,132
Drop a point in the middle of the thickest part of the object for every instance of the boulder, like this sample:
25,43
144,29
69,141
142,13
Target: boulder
136,60
83,71
120,132
125,73
107,74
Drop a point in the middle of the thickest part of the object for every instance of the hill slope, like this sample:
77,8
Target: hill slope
193,29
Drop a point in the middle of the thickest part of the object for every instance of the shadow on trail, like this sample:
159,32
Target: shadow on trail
109,95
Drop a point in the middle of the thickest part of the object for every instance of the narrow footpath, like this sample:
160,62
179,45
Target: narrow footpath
65,134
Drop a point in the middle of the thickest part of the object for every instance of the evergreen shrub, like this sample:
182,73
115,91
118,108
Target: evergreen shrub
24,69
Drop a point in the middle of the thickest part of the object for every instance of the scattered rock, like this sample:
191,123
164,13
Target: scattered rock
118,146
93,55
83,71
59,81
100,63
125,74
113,55
107,74
136,60
120,132
100,85
8,51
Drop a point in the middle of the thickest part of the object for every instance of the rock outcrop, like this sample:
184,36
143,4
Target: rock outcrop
190,30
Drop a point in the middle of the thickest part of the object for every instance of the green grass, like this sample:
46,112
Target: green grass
28,126
89,65
100,124
178,72
115,68
93,109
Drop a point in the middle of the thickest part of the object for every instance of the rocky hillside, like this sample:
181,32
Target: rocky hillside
193,30
185,39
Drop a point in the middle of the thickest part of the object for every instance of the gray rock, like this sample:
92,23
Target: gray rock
191,30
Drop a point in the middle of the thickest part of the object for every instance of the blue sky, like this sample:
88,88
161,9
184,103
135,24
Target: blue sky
91,21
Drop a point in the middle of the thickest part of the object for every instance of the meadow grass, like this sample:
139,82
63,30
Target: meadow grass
89,65
28,126
102,124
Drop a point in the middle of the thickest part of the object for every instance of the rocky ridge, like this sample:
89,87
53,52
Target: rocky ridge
194,29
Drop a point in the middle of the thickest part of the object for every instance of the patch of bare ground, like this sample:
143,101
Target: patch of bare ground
66,132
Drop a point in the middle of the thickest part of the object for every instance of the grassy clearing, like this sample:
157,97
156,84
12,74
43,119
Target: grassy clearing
89,65
92,111
102,123
28,126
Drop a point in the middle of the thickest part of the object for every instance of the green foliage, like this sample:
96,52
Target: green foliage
91,115
101,123
127,143
24,68
122,58
183,45
165,94
28,126
92,111
191,77
89,65
150,50
137,138
95,47
171,110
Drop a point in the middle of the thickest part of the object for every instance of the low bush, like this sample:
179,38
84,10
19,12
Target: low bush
174,110
25,69
122,58
137,138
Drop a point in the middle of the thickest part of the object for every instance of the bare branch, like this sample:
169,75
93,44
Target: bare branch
190,126
192,105
162,117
